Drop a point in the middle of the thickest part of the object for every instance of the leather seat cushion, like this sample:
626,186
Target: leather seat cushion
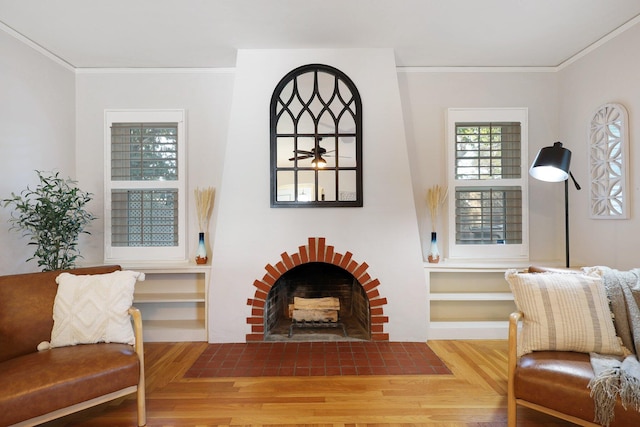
558,380
38,383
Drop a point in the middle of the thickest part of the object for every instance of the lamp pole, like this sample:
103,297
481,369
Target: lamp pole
566,221
566,215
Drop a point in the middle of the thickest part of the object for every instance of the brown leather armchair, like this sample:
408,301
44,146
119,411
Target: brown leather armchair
555,383
38,386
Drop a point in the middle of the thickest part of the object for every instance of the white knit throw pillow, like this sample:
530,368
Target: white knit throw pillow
564,312
93,308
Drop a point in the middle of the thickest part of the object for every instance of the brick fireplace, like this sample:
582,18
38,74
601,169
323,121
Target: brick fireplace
349,281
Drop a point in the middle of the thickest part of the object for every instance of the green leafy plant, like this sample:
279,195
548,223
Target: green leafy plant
52,215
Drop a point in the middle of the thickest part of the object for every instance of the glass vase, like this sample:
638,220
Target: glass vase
434,253
201,252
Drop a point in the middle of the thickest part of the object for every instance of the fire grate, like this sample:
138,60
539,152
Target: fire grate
311,324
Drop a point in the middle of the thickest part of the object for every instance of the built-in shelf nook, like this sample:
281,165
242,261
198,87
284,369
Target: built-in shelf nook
173,301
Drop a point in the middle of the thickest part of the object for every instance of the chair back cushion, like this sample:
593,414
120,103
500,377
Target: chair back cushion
26,309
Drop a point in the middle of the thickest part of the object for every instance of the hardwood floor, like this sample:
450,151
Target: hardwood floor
475,395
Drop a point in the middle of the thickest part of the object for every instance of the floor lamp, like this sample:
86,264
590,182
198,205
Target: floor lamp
552,165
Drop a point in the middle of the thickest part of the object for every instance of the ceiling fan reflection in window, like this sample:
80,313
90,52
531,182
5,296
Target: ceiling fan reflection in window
316,154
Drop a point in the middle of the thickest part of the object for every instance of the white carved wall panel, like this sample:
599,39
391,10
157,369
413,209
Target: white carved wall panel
608,148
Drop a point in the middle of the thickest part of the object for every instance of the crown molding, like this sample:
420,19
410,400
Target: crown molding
601,41
476,69
222,70
35,46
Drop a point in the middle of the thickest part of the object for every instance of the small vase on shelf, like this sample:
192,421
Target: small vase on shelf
201,252
434,254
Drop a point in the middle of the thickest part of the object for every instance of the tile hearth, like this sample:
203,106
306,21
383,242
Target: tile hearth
316,359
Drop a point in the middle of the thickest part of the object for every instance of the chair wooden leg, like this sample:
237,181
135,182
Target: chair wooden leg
512,409
142,410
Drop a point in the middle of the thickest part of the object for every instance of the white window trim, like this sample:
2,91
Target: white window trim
512,252
129,254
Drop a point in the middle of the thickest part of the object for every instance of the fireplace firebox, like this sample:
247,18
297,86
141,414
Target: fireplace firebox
317,271
317,280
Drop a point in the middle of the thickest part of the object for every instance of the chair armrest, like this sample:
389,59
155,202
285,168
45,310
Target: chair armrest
514,319
542,269
136,316
139,349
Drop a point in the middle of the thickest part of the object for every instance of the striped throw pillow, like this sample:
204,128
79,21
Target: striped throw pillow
563,312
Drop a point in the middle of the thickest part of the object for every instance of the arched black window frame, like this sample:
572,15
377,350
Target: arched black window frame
357,134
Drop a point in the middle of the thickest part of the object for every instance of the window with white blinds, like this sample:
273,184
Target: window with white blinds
489,215
145,206
488,185
144,217
488,150
144,151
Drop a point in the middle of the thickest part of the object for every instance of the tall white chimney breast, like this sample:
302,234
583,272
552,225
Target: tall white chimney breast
250,234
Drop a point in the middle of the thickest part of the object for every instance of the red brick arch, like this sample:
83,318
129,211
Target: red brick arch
316,250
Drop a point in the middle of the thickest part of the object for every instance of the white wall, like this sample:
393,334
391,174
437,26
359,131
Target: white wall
37,111
53,119
205,96
608,74
383,233
426,96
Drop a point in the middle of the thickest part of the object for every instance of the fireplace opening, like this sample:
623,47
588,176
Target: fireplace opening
317,280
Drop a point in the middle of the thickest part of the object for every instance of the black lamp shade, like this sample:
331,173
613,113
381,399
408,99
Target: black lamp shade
551,164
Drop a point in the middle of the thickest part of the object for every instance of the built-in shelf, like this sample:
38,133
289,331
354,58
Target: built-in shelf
469,300
175,330
468,330
472,296
173,301
168,297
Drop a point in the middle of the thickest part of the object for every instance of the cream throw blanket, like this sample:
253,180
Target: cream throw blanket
619,375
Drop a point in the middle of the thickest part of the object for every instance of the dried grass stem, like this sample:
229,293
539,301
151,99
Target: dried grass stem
204,206
436,196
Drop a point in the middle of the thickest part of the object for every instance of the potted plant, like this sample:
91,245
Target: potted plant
53,215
